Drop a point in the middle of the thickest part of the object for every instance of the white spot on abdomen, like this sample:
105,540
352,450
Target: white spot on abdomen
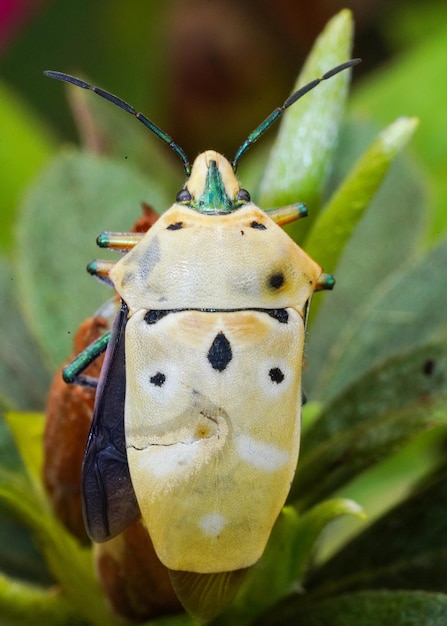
261,455
212,524
164,460
162,393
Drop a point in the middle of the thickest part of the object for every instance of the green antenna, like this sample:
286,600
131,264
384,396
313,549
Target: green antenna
254,136
260,130
129,109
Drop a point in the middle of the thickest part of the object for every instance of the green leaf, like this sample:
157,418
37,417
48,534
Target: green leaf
70,563
371,420
286,558
403,311
27,430
300,158
367,608
20,558
18,554
24,148
24,605
413,554
388,237
74,200
384,388
24,379
333,227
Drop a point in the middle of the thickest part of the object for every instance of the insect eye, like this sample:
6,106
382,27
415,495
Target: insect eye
243,196
183,196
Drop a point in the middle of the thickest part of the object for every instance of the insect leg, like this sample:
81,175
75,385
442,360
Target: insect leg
72,373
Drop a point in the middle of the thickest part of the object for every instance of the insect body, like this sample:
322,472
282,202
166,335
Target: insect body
197,418
213,391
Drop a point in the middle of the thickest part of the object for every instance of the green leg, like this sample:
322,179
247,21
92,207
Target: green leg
72,372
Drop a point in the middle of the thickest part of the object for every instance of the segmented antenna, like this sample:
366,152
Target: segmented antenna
260,130
253,136
129,109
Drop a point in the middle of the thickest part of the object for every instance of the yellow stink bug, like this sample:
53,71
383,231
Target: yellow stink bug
196,424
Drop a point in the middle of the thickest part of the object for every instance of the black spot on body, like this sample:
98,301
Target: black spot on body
276,280
276,375
176,226
153,316
220,354
158,379
280,315
258,225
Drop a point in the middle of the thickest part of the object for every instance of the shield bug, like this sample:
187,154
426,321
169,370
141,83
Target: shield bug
196,423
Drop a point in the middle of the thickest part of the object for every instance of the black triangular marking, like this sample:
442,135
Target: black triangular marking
280,315
220,354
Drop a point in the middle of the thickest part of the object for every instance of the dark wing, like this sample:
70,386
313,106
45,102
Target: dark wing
109,502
